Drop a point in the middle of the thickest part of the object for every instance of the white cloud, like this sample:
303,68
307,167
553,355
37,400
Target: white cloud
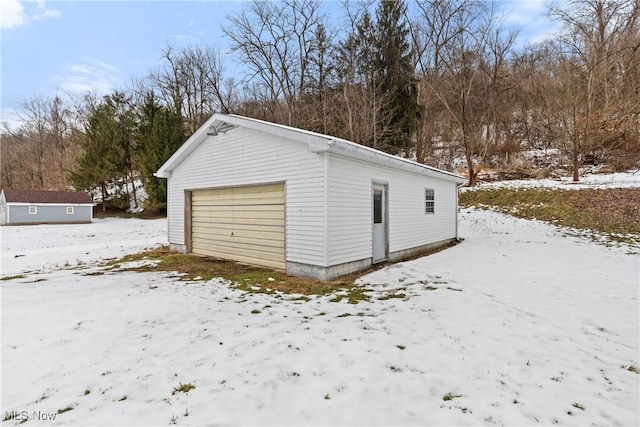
94,76
49,13
524,12
42,12
11,14
529,16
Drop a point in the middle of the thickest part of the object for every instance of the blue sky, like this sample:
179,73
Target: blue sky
51,47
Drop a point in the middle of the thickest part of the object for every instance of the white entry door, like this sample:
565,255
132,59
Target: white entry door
380,226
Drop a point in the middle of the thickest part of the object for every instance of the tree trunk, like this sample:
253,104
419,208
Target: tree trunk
575,159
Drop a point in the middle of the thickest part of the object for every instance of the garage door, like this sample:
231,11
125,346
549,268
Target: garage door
244,224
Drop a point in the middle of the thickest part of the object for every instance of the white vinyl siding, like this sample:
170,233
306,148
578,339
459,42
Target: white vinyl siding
243,157
350,207
350,211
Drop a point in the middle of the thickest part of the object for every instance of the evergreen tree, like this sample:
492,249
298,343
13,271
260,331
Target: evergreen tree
160,134
95,168
321,71
108,158
396,72
357,69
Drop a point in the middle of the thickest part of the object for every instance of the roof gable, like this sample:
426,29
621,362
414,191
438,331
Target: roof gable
317,143
43,197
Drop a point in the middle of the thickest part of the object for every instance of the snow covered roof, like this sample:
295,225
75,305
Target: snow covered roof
43,197
222,123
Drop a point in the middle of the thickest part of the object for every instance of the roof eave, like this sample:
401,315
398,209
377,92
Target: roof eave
317,143
355,151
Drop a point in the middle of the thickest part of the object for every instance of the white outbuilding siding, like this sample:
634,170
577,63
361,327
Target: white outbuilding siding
350,183
328,195
247,157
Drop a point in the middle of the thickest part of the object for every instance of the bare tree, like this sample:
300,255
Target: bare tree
432,30
600,42
60,133
499,90
35,133
275,41
451,47
190,81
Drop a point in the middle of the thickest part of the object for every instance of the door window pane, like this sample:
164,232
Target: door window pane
377,206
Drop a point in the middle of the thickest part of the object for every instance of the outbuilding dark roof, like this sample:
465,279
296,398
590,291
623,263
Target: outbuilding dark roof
40,196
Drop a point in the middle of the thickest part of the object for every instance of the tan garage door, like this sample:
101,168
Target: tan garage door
241,223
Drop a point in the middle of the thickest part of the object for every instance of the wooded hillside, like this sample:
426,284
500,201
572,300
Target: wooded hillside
444,82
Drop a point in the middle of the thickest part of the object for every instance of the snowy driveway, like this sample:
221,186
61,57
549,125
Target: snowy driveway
517,325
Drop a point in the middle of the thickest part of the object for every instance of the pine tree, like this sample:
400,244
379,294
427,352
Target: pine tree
108,159
95,168
396,72
357,69
160,134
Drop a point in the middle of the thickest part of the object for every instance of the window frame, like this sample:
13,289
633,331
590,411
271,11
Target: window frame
429,201
70,210
33,210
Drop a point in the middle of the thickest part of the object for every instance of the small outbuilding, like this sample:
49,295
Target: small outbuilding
22,207
310,204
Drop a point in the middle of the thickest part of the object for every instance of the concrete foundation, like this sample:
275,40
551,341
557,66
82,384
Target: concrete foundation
336,271
176,247
423,249
327,273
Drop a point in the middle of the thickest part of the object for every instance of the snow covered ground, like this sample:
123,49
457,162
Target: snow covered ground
51,247
517,325
614,180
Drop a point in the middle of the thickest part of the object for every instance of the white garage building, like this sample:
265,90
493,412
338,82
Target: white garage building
311,204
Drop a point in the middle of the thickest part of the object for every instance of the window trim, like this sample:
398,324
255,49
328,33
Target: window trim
70,210
429,201
33,210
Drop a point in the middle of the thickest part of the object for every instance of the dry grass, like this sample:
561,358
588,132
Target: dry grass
245,277
615,212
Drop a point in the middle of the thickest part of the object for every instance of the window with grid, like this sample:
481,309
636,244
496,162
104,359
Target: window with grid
33,210
69,210
430,200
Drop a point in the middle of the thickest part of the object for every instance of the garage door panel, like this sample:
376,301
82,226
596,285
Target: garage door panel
222,227
245,224
221,196
239,235
265,258
237,199
232,216
228,246
248,189
226,209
